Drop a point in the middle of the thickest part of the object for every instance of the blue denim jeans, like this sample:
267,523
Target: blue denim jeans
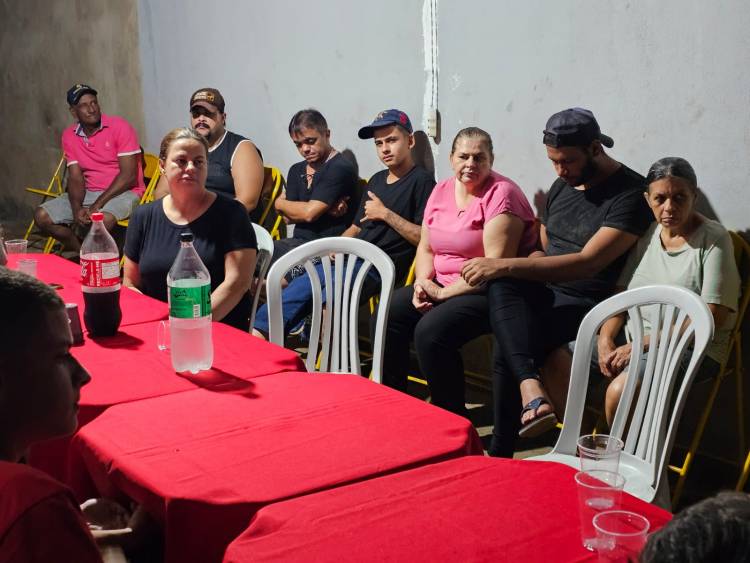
297,298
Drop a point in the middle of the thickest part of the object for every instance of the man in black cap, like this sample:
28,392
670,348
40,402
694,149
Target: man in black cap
235,164
104,170
595,212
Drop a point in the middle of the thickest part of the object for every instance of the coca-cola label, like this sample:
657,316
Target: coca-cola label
100,273
190,302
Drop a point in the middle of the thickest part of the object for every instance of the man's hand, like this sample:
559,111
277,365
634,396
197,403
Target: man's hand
95,207
375,210
83,216
481,270
339,208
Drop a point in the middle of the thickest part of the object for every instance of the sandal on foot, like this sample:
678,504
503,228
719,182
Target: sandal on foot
539,424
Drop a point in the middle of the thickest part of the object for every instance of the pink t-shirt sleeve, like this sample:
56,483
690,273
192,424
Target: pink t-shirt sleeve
69,147
127,139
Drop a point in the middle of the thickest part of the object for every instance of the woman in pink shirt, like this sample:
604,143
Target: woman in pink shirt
475,213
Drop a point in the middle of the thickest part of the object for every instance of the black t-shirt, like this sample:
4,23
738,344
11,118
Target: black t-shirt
572,217
153,241
337,178
406,197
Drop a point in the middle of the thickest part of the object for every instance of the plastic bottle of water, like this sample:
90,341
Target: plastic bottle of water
189,286
100,280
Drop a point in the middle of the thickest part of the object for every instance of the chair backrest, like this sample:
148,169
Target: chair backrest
742,259
338,342
153,173
265,253
55,186
273,185
649,439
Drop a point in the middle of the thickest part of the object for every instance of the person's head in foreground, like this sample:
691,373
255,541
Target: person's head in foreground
394,138
40,381
672,192
715,529
207,115
312,137
472,157
574,144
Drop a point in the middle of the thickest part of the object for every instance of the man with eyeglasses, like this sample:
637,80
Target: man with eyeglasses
235,164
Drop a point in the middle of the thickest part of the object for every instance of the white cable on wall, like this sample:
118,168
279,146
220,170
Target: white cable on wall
430,104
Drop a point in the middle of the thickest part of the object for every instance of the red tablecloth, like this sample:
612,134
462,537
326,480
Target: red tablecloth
128,367
205,462
468,509
136,308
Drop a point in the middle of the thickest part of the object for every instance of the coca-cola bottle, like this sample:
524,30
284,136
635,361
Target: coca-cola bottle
100,280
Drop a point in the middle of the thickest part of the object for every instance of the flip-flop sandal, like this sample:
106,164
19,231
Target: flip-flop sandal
538,425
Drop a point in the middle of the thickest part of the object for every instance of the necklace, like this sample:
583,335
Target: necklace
310,175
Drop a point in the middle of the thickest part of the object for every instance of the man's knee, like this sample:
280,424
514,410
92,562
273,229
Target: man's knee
110,221
614,389
41,217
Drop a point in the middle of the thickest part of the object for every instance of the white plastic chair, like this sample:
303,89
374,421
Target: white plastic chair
648,441
263,261
338,339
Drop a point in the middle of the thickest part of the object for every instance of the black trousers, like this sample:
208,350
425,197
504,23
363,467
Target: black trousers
529,320
438,337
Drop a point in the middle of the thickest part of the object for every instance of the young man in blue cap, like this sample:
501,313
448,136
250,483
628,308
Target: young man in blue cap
389,215
104,170
594,214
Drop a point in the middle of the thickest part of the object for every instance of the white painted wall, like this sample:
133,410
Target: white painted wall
664,78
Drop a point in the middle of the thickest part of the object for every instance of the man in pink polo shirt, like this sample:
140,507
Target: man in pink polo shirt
104,171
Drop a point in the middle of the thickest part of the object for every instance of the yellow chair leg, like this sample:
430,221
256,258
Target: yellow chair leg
745,474
694,443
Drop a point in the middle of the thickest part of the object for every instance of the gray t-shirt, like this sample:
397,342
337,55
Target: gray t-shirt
705,265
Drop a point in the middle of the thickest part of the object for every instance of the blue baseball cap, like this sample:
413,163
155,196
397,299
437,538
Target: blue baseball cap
77,91
386,117
574,127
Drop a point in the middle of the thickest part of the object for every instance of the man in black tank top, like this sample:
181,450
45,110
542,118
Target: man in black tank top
235,164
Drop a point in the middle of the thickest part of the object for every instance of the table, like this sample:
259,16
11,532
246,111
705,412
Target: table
203,462
136,307
128,367
469,509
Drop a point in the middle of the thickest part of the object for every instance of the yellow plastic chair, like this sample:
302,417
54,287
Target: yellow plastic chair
54,189
745,473
152,172
274,179
731,366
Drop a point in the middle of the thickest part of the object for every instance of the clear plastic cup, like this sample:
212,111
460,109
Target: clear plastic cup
597,491
620,535
600,451
16,246
27,266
